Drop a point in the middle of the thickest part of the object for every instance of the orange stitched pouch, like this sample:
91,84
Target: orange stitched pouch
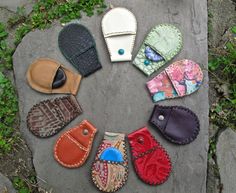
73,147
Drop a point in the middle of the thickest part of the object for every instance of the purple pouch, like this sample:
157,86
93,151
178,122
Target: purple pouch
177,124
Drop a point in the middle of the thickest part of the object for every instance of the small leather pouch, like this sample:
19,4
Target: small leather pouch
73,147
177,124
161,45
181,78
78,47
119,28
48,76
151,161
48,117
110,168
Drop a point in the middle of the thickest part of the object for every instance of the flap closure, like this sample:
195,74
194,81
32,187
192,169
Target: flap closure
166,40
84,47
112,34
160,116
119,21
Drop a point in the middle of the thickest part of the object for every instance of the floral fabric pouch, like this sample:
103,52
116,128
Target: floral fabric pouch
179,79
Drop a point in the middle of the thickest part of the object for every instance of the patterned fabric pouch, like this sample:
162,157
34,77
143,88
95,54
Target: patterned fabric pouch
162,44
48,117
110,168
179,79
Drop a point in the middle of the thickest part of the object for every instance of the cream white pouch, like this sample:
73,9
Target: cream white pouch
119,28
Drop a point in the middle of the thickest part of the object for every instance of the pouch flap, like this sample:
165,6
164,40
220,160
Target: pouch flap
160,117
74,40
166,40
186,76
119,21
121,33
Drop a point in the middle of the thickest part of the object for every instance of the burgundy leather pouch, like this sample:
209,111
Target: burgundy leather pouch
177,124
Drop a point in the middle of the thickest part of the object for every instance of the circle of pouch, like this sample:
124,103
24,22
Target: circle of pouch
78,47
119,28
110,168
48,117
179,79
177,124
73,147
151,162
48,76
161,45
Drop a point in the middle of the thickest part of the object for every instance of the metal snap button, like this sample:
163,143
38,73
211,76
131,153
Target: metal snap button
85,131
140,140
161,117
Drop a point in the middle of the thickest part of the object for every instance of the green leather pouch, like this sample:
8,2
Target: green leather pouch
165,40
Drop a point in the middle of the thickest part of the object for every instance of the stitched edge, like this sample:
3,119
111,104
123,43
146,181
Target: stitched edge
86,152
117,163
136,24
178,49
179,36
195,132
168,157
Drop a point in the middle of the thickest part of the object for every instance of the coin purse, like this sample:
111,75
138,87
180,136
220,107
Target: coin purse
110,168
119,28
162,44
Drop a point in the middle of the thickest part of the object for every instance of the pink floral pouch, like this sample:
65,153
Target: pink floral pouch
179,79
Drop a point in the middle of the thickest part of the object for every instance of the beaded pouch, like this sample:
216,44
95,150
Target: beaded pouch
73,147
110,168
179,79
162,44
119,28
151,162
177,124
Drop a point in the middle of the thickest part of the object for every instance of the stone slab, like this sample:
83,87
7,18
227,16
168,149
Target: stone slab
226,158
6,185
13,4
115,99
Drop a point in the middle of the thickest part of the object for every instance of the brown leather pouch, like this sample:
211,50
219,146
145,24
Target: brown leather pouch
73,147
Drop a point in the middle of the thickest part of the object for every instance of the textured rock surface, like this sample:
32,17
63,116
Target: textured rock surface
115,99
222,16
226,157
6,185
13,4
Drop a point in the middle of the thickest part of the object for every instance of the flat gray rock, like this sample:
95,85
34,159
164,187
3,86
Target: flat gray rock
115,99
13,4
6,185
226,158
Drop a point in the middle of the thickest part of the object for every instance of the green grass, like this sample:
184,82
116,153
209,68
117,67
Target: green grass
223,112
222,65
8,99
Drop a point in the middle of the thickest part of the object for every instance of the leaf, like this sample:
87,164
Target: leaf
233,29
3,34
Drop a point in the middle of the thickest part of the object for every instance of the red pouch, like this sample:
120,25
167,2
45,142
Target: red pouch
151,162
73,147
